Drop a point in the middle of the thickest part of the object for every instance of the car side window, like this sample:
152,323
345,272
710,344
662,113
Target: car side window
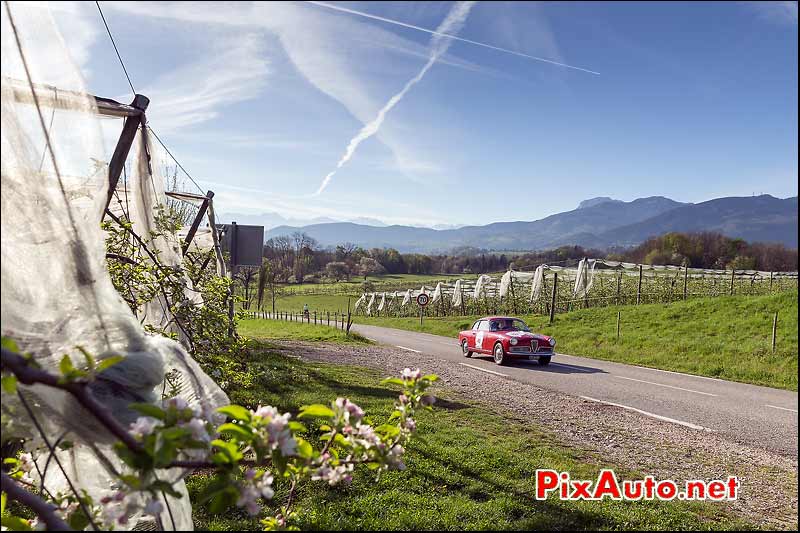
484,325
476,325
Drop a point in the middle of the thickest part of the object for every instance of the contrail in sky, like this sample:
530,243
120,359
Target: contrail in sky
441,33
452,23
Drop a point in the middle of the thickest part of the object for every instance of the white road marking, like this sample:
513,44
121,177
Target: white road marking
651,415
781,408
644,367
668,386
484,370
409,349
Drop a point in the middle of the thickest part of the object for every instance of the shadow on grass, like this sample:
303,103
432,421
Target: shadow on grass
536,514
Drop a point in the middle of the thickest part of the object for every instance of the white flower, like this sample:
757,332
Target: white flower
144,425
412,374
334,475
410,424
253,488
177,403
26,462
395,457
153,507
198,429
266,411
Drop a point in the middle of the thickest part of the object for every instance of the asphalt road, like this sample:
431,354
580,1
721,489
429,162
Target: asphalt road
748,414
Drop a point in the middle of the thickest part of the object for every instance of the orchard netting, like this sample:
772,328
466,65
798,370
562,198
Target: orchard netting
58,295
592,283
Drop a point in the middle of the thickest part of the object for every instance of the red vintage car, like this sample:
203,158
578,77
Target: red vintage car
506,337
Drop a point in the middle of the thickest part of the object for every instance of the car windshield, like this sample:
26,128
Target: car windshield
510,324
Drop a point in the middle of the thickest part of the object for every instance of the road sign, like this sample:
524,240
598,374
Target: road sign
423,299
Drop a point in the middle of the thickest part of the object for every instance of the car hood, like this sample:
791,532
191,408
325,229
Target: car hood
524,335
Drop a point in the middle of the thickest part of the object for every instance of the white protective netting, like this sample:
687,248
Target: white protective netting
56,291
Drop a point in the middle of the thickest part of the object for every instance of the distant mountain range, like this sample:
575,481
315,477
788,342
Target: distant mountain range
598,222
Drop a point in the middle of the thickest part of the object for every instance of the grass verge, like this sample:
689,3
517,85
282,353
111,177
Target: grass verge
297,331
724,337
470,468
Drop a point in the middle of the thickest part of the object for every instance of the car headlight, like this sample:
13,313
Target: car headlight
514,342
552,342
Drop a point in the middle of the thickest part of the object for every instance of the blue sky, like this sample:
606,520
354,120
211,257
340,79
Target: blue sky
259,102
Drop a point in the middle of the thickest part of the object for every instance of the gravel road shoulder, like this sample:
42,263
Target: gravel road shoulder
768,480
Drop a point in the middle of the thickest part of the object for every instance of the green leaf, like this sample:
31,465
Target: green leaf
3,503
87,356
304,449
175,433
299,427
78,520
10,384
9,344
227,449
166,487
393,381
317,410
107,363
388,430
148,409
236,430
65,445
431,377
15,523
66,365
237,412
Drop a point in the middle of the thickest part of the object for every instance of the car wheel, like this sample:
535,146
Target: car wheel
499,355
465,349
544,361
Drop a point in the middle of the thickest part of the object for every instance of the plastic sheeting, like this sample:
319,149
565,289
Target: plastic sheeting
536,285
56,291
382,303
480,286
406,298
584,278
437,293
359,302
371,303
458,297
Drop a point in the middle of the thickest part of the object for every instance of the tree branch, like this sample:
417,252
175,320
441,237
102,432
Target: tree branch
43,510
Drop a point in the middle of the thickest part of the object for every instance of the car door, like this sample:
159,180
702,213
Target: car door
482,337
471,334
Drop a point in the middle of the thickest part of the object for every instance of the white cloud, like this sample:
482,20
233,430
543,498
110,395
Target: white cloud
231,71
351,61
782,13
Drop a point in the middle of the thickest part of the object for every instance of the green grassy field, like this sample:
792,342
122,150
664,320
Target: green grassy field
725,337
299,331
471,469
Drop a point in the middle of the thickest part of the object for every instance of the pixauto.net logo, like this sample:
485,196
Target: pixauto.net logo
608,486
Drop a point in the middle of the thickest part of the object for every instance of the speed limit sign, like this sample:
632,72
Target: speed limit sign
423,299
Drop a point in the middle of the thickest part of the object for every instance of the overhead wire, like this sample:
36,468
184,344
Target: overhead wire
125,70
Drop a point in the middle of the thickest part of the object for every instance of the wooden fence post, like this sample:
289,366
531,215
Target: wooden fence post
733,273
328,316
685,279
774,330
619,316
639,288
553,297
619,284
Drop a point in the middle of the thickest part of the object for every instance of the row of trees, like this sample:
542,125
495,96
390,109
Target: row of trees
298,258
